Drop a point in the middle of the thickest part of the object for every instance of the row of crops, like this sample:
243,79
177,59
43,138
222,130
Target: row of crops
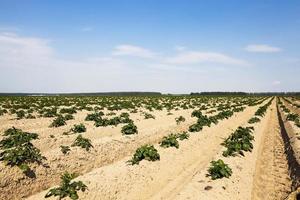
17,149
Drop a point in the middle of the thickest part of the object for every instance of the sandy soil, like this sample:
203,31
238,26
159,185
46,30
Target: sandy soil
168,176
108,142
292,143
272,180
239,185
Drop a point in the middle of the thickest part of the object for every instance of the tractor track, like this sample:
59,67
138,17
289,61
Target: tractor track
277,170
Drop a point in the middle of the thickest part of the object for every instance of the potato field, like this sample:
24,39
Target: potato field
150,147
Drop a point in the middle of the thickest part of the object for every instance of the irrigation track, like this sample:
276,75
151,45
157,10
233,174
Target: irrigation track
294,167
271,179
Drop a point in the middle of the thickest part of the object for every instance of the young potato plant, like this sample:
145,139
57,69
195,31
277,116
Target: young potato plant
219,170
83,143
239,141
20,114
262,110
292,117
68,111
94,116
65,149
129,129
68,117
49,112
30,116
17,149
169,141
254,120
183,136
59,121
202,121
179,119
145,152
67,188
78,128
149,116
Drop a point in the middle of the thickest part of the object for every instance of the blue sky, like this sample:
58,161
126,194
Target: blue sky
158,45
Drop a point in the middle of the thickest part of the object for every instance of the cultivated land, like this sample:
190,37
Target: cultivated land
150,147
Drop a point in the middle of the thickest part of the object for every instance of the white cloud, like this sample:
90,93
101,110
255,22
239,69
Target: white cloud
196,57
131,50
30,64
23,51
262,48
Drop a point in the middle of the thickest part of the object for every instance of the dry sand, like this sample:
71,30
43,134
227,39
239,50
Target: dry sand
166,177
180,173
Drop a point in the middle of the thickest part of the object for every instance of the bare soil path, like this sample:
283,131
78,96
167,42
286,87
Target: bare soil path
271,179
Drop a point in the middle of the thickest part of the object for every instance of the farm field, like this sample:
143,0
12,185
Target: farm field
149,147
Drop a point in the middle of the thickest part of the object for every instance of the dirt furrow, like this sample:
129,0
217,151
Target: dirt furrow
122,181
271,179
239,185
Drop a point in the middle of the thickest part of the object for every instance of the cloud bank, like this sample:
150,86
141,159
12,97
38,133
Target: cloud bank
262,48
31,64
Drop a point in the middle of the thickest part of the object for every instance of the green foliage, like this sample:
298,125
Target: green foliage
17,149
30,116
16,137
59,121
83,143
78,128
68,110
179,119
49,112
67,188
68,117
219,170
202,121
123,118
146,152
292,117
129,129
239,141
197,113
262,110
254,120
224,115
65,149
169,141
94,116
183,136
20,114
149,116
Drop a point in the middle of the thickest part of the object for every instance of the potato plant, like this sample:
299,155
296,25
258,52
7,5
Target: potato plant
17,149
149,116
179,119
183,136
59,121
78,128
68,117
67,188
254,120
219,169
129,129
145,152
239,141
65,149
169,141
83,143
